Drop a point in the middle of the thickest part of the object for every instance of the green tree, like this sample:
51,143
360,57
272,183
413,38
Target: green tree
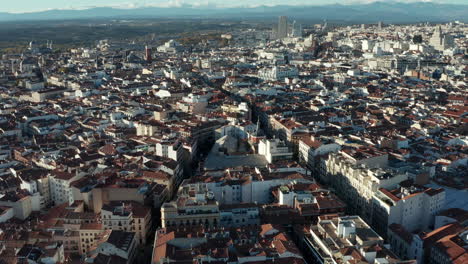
417,39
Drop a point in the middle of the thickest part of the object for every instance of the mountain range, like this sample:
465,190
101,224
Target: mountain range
395,12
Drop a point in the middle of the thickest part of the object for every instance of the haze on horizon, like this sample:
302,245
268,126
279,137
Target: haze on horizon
34,5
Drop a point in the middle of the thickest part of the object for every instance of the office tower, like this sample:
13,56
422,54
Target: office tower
441,41
325,26
294,24
282,27
380,25
437,38
296,30
148,54
274,32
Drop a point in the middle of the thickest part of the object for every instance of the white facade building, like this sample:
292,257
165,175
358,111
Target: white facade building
277,73
60,189
309,149
171,46
274,149
410,206
118,243
357,180
441,41
347,239
251,188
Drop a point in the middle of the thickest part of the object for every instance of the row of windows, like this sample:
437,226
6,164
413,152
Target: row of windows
193,222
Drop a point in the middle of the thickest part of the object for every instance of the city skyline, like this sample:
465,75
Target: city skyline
234,132
37,6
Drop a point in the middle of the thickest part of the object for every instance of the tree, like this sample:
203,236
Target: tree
417,39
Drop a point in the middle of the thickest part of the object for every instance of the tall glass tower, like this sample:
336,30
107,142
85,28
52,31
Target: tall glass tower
282,27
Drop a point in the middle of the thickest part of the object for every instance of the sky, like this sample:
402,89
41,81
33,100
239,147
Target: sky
21,6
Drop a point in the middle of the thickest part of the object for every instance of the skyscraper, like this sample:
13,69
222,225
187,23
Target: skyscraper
325,26
148,54
441,41
296,30
380,25
282,27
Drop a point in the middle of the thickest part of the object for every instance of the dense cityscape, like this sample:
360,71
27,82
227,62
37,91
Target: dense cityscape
295,144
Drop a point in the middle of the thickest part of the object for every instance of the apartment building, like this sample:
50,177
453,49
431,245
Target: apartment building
346,239
36,182
128,217
166,147
309,200
118,244
237,215
409,205
356,176
195,208
446,244
19,201
310,148
89,236
95,195
42,252
277,73
287,129
274,150
69,238
249,244
60,186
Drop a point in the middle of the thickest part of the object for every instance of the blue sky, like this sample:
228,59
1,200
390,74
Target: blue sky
39,5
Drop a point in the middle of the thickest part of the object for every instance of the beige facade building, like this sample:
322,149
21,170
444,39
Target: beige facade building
20,202
191,210
411,206
89,237
441,41
357,176
137,190
347,239
70,240
60,186
129,217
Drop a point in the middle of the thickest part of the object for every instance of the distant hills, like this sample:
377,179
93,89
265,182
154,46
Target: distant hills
358,13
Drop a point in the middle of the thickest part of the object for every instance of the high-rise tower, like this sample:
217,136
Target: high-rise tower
148,54
282,27
296,30
441,41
